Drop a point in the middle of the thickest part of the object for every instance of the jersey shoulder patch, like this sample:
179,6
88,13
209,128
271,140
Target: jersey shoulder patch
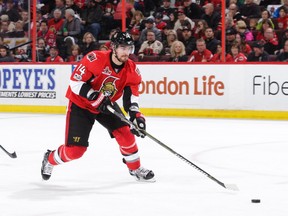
91,56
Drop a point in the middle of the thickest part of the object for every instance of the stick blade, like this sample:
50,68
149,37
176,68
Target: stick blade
13,155
231,187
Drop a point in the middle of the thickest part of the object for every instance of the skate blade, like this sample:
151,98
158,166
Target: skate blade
152,180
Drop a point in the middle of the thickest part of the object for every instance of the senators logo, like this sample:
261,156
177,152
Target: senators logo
108,87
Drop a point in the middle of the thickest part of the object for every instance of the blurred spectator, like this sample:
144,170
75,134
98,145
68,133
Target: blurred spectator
265,24
217,57
245,48
59,4
201,54
129,10
20,55
210,40
166,8
265,15
250,10
212,17
5,54
283,39
283,56
150,6
112,32
151,46
48,35
5,19
230,38
178,53
270,41
80,3
285,5
135,33
42,51
39,16
229,23
149,24
139,5
252,24
71,30
171,20
178,3
12,12
265,3
171,37
182,21
19,31
75,54
282,19
200,29
55,24
137,21
89,43
235,54
103,47
54,55
2,40
108,17
91,18
191,9
242,29
4,29
188,40
71,4
159,23
233,13
258,54
25,19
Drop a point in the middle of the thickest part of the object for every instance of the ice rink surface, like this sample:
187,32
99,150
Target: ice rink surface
251,154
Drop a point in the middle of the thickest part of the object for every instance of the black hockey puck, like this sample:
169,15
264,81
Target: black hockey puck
255,200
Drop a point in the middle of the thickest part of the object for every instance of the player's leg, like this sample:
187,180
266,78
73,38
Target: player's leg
79,123
127,144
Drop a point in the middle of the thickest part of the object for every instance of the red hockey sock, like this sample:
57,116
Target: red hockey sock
66,153
128,147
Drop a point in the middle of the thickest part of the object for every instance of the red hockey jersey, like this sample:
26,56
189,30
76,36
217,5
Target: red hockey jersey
96,70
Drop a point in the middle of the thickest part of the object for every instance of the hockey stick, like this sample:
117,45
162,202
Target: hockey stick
12,155
133,126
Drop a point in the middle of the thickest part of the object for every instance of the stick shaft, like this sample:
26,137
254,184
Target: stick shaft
165,146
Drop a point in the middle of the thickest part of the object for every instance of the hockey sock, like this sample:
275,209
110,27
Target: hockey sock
128,147
66,153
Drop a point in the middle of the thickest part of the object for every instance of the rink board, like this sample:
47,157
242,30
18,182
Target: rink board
190,90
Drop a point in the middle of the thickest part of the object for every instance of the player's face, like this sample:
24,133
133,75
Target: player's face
123,52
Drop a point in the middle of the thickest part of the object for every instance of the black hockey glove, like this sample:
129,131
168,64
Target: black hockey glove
100,102
139,121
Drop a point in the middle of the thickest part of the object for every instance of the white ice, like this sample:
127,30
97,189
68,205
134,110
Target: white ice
251,154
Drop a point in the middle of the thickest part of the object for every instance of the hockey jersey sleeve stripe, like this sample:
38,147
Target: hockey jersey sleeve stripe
80,88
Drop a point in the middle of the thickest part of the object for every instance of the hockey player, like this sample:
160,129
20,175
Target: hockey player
100,79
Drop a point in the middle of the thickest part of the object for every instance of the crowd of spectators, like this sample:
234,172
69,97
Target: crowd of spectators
163,30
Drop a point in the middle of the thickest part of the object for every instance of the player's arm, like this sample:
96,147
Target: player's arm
80,83
130,104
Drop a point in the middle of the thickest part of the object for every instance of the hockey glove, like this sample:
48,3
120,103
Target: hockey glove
100,102
139,121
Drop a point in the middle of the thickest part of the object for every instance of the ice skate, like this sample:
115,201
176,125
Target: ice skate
142,174
46,169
